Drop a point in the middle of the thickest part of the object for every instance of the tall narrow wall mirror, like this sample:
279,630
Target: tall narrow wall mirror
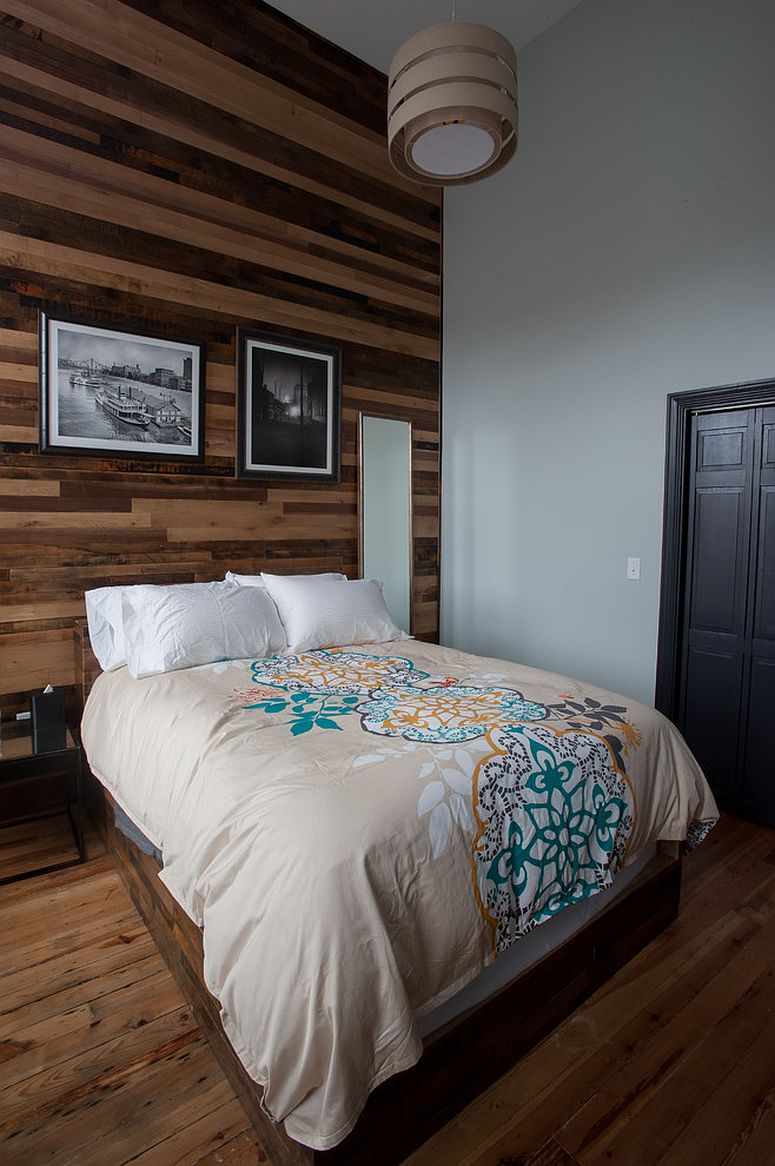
386,511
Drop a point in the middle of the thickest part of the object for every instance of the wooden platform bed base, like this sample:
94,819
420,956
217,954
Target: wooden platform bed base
460,1060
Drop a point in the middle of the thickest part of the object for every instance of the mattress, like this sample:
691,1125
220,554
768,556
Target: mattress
362,831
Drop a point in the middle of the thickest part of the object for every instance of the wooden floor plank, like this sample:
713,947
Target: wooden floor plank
198,1088
240,1151
94,1023
13,896
593,1045
740,1068
101,1063
754,1143
25,924
724,904
655,1078
82,994
104,953
551,1154
134,1047
214,1132
86,926
61,1128
31,845
665,1089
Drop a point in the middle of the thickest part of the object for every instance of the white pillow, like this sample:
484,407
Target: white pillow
166,628
325,613
257,581
106,623
106,632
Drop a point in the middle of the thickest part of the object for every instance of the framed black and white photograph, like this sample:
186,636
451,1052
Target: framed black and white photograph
105,391
287,409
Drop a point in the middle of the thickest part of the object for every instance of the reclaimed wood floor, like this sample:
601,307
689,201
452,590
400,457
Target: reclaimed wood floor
672,1062
36,844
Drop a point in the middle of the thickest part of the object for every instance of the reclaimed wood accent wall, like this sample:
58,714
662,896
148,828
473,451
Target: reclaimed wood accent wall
184,168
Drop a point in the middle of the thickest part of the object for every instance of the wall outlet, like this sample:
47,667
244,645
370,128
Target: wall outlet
633,569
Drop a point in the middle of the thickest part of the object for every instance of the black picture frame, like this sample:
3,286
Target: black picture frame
103,392
288,408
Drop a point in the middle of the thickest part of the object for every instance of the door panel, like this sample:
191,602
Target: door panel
758,758
718,547
764,607
728,645
723,447
712,713
769,440
758,783
720,551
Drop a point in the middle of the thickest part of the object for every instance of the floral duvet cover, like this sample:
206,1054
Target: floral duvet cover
360,831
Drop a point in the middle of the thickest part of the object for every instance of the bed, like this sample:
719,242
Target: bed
367,836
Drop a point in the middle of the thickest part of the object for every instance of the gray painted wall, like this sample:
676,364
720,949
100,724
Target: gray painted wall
627,252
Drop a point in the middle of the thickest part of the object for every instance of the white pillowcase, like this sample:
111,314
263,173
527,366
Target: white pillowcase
166,628
325,613
257,581
104,615
106,629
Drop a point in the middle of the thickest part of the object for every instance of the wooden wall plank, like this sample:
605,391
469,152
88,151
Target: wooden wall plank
200,185
31,660
169,168
113,30
14,487
276,46
42,258
230,139
111,204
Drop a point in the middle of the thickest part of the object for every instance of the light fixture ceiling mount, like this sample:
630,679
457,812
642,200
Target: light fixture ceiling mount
452,104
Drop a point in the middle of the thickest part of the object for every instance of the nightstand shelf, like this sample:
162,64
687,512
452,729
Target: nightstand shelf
41,826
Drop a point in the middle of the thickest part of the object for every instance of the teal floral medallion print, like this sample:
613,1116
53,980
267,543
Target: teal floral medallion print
547,797
335,672
538,792
555,814
445,713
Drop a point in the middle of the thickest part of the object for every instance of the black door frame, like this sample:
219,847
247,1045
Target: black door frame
680,409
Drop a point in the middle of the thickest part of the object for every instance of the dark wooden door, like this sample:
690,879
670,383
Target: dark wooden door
758,758
726,690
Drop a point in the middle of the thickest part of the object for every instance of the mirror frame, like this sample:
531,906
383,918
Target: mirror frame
362,415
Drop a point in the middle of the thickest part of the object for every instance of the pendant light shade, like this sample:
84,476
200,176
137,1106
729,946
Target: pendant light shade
452,104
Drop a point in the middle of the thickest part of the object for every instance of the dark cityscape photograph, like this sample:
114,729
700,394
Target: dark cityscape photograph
288,409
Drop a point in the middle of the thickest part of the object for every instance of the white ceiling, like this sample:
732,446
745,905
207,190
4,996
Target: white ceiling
375,29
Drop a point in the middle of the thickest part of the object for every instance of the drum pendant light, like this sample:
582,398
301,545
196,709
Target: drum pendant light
452,104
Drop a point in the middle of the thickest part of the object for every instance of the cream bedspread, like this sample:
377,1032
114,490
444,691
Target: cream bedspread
361,831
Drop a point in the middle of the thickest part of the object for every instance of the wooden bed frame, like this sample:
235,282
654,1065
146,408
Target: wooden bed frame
461,1059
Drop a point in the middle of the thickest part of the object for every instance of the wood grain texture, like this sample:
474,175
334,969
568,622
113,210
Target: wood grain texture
184,170
36,844
458,1061
664,1065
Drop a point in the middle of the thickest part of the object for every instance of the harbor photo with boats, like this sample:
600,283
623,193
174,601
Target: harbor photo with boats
112,391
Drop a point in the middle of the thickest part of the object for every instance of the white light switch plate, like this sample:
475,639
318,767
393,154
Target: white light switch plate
633,568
